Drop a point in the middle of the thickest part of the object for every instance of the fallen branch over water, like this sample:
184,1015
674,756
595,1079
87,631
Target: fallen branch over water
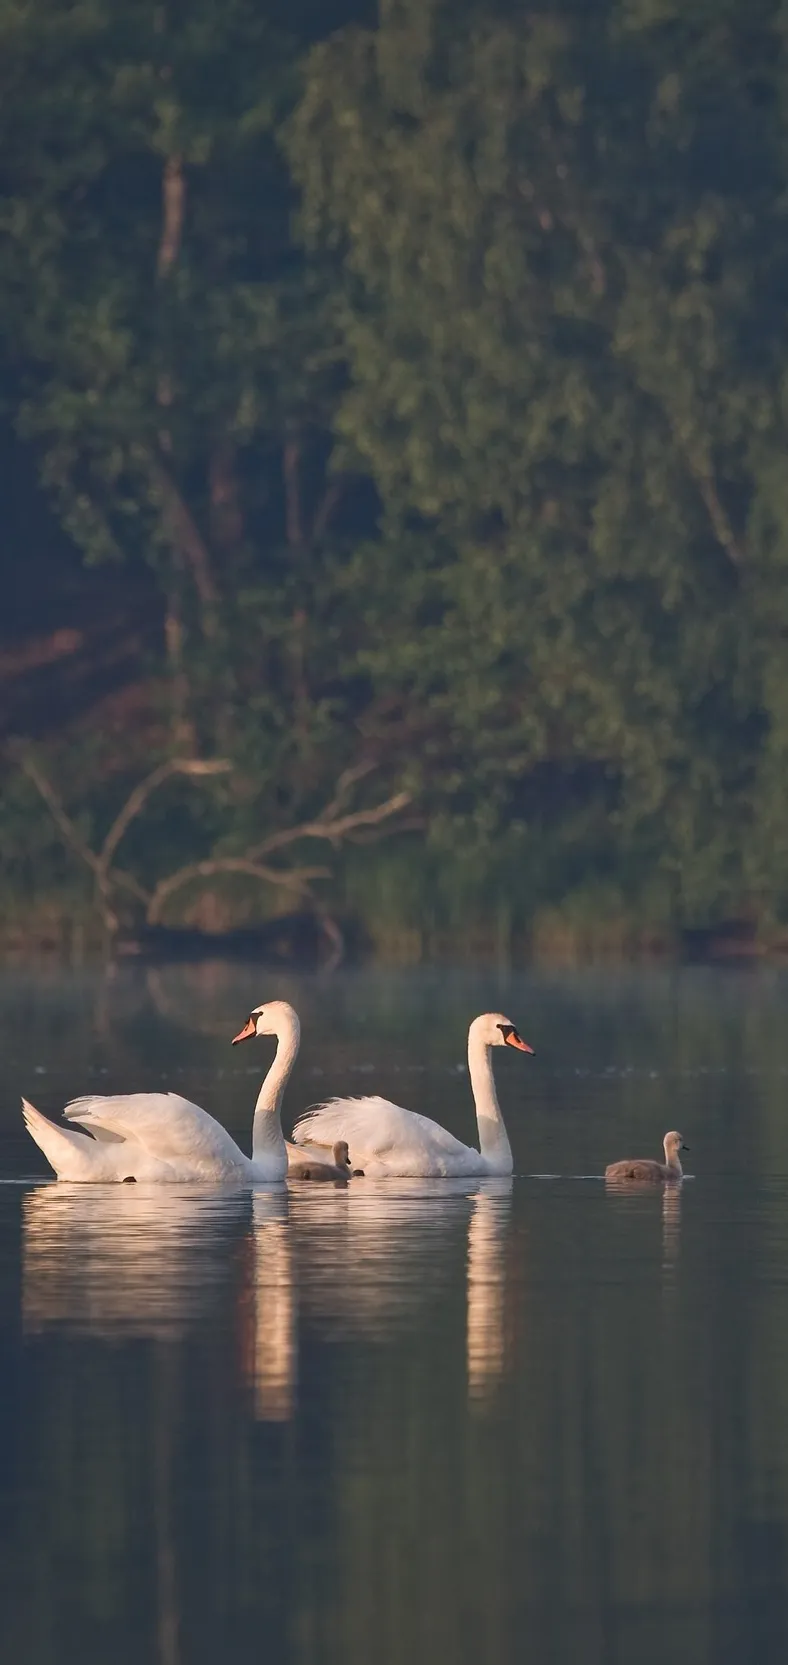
336,823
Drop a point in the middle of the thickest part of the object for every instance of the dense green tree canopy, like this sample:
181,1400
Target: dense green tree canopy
436,362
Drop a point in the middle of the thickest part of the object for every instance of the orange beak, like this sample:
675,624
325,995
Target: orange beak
247,1033
516,1040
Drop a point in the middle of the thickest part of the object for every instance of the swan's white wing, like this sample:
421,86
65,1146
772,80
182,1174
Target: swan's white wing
164,1124
375,1129
72,1156
102,1134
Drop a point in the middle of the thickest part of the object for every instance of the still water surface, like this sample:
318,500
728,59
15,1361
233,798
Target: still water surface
415,1422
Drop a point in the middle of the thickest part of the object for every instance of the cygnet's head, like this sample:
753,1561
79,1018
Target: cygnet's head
341,1154
493,1029
276,1017
674,1142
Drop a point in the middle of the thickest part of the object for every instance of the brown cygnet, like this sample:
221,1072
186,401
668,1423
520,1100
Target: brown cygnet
644,1169
340,1169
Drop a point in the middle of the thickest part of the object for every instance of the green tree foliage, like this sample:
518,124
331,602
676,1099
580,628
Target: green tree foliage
564,245
485,479
174,360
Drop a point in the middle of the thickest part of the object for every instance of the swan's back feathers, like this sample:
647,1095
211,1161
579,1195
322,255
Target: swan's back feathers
166,1125
374,1129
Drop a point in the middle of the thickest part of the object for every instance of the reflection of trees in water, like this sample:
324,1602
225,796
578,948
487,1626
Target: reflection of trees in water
164,1520
207,997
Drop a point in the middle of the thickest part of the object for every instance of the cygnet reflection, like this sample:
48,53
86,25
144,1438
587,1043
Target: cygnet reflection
671,1225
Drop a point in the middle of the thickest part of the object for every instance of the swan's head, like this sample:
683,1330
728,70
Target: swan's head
493,1029
673,1143
276,1017
341,1154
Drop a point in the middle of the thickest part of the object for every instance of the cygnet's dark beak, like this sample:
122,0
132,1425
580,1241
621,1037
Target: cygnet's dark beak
685,1147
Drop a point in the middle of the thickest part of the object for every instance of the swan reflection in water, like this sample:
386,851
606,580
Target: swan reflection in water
488,1230
359,1261
135,1260
372,1257
268,1312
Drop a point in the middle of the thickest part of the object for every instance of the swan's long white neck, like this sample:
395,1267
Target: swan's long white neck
493,1138
267,1127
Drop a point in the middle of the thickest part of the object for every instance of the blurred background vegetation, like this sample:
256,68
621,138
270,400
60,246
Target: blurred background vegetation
394,409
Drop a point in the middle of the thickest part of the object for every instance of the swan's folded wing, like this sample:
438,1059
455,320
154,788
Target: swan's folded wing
165,1124
374,1127
102,1134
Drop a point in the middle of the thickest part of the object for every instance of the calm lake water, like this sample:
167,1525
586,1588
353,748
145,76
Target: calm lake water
416,1422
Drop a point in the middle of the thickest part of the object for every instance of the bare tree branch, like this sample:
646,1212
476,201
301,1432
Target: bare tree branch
332,830
347,780
58,813
173,203
186,536
294,878
71,836
325,509
100,863
334,937
127,881
195,767
291,456
697,457
330,825
373,835
723,531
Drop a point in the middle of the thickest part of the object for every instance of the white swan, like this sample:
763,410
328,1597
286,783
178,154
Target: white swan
162,1138
388,1142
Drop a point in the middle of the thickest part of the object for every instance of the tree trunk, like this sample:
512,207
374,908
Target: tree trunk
227,525
183,532
294,529
189,552
173,204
